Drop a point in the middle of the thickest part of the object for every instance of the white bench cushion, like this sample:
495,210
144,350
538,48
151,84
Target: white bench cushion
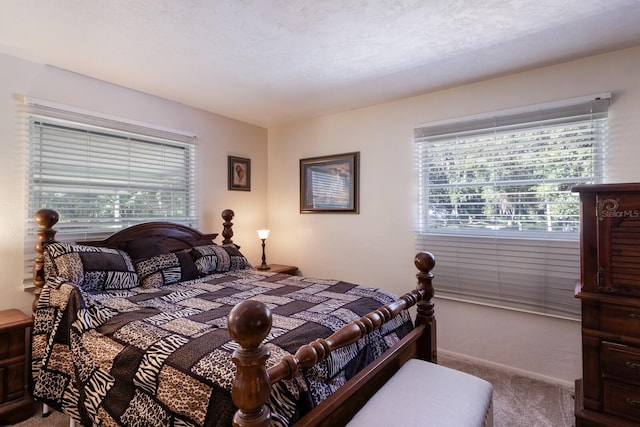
425,394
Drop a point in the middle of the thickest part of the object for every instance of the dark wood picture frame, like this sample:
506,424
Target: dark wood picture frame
239,170
330,184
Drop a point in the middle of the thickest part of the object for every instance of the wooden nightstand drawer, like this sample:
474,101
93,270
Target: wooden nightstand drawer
12,386
12,343
15,403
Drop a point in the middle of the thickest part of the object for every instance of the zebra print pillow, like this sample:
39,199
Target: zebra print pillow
211,259
165,269
91,268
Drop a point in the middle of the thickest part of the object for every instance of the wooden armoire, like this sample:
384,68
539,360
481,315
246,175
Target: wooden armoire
608,394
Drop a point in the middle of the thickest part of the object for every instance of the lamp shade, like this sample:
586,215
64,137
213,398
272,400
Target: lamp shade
263,234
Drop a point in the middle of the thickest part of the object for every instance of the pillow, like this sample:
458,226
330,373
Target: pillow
165,269
91,268
211,259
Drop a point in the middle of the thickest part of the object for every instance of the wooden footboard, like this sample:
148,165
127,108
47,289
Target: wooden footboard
250,322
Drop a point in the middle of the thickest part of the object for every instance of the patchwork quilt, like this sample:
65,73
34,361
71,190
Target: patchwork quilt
161,356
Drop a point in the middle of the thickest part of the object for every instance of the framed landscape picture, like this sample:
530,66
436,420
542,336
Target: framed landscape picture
239,173
330,183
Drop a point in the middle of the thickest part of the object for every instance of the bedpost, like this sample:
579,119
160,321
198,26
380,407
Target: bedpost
249,323
427,347
46,219
227,232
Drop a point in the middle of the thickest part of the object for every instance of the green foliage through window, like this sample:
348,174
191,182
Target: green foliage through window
495,206
512,179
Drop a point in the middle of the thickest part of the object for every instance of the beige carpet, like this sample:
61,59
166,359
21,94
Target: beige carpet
55,419
518,401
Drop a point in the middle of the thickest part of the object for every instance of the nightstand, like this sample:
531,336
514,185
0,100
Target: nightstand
15,403
280,268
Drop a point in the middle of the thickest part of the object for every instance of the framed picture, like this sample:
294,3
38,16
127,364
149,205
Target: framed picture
239,173
330,183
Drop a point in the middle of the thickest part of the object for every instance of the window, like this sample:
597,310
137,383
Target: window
495,204
103,175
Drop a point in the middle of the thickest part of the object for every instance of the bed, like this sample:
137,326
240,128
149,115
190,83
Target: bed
159,325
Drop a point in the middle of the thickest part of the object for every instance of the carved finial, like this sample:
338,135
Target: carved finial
227,231
425,261
249,323
46,218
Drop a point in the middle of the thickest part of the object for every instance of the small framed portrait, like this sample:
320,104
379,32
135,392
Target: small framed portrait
239,173
330,184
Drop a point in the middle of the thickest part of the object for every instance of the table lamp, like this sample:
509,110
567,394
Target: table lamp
262,235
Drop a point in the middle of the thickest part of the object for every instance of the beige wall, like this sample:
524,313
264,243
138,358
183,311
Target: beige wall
376,247
218,138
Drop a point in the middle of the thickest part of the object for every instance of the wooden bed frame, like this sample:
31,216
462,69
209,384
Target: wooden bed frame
250,322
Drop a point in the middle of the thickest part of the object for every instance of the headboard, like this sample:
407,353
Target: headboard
177,237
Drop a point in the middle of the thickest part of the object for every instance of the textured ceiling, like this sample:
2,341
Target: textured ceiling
276,61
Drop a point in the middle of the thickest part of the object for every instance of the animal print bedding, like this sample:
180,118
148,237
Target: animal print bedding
161,356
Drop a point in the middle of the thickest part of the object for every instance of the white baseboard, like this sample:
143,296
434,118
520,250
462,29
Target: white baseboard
511,369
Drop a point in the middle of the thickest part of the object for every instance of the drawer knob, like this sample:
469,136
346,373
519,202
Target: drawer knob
633,365
634,403
634,316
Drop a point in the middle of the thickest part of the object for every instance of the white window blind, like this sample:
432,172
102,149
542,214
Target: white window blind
495,204
103,175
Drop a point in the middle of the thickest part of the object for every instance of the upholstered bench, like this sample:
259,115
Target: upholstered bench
428,395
